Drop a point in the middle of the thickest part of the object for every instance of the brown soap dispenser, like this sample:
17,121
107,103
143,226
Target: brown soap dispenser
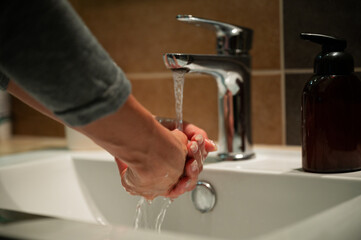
331,110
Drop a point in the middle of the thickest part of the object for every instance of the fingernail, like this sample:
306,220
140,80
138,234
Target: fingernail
199,139
213,144
194,147
194,166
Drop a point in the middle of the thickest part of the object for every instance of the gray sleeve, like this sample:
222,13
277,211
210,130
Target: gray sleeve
48,51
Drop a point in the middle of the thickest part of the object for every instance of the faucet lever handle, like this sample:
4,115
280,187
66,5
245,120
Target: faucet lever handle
231,39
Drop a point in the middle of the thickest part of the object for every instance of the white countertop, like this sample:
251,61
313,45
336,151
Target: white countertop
285,161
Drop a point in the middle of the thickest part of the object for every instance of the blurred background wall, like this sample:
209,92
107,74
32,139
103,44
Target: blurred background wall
137,32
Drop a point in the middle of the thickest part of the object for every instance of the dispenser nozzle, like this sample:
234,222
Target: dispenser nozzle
329,43
332,60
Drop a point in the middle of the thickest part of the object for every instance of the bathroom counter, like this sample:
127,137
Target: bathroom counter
19,144
84,186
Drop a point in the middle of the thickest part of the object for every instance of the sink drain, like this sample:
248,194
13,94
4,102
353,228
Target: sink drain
204,197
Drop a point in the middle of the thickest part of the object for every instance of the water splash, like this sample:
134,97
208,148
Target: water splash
150,214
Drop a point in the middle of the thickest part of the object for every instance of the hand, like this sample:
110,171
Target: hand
199,145
204,144
160,178
150,186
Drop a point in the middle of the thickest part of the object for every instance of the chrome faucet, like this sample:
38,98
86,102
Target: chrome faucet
231,70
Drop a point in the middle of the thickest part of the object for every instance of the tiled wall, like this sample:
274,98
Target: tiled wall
137,33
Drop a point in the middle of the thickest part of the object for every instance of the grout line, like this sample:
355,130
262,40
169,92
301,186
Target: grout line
283,81
308,70
265,72
298,70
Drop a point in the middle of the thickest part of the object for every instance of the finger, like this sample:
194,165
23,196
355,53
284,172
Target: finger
201,145
210,145
184,184
178,189
188,181
192,147
194,152
191,169
191,130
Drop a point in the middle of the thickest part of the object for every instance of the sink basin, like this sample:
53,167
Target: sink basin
268,197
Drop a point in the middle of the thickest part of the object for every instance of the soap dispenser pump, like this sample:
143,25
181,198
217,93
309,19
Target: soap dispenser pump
331,110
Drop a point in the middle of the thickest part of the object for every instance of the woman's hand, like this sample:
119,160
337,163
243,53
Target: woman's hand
149,186
158,179
204,144
199,145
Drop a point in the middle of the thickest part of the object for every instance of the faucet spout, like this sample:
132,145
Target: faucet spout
231,70
232,75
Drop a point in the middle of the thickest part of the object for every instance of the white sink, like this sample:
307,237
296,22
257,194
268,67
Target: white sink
268,197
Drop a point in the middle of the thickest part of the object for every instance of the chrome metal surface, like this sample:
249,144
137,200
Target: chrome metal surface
204,197
231,69
231,39
232,74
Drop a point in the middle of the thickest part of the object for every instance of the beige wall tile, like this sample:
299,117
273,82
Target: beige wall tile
27,121
267,109
137,33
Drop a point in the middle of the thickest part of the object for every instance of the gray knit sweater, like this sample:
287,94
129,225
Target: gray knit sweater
49,52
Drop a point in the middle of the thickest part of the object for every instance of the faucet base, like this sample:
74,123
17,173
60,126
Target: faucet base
236,156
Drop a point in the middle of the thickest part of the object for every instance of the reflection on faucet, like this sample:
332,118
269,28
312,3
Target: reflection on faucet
228,116
231,70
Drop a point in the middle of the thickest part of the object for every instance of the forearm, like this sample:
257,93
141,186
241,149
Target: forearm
133,135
